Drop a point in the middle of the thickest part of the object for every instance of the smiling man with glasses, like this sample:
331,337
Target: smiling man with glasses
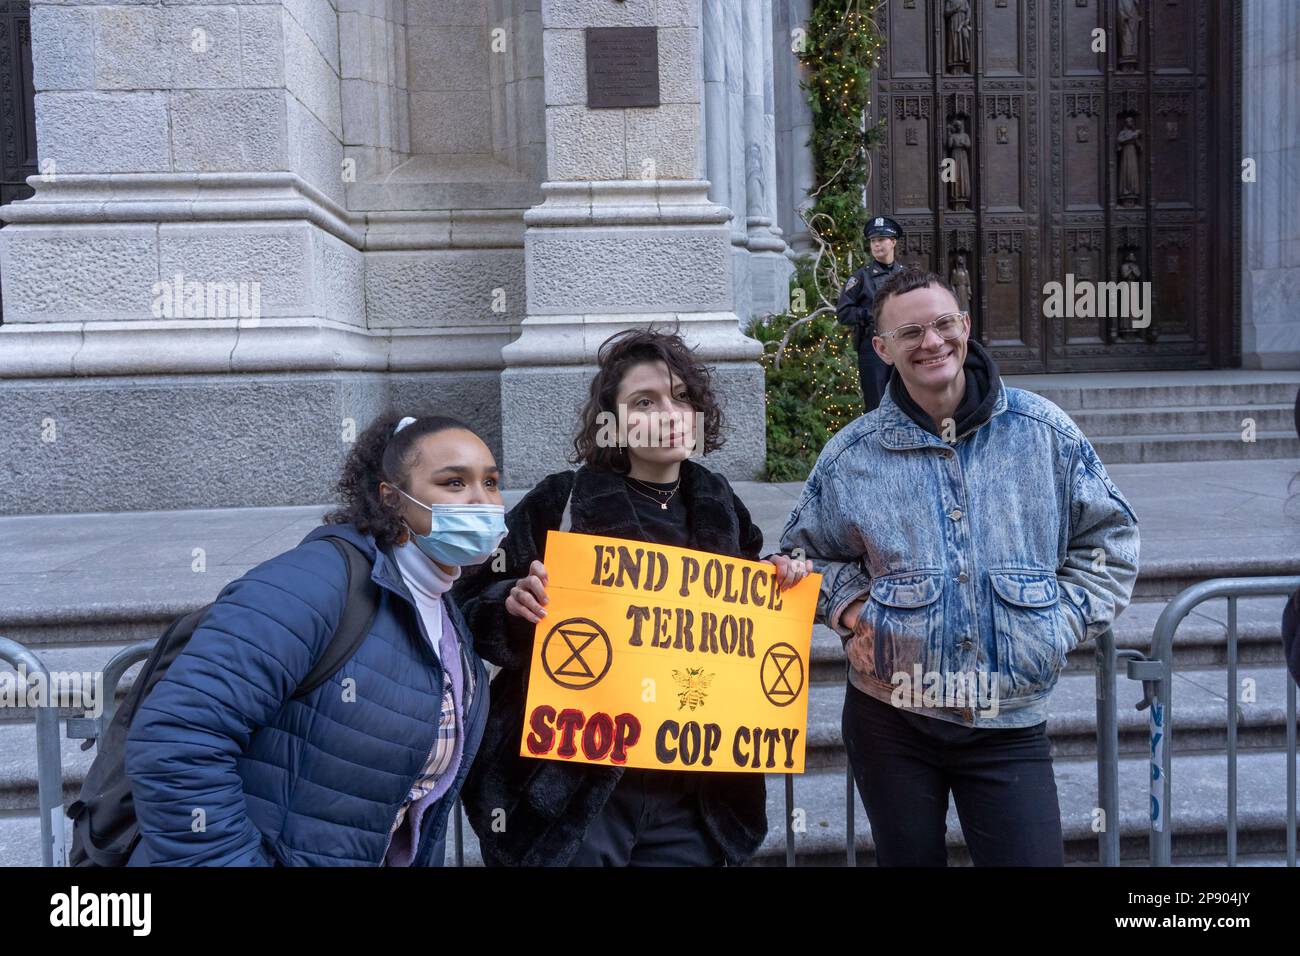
968,538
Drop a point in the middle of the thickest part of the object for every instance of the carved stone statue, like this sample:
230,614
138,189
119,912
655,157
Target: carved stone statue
1130,271
957,14
1130,166
1129,18
960,280
959,152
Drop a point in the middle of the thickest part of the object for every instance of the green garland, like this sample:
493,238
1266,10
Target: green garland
843,46
815,392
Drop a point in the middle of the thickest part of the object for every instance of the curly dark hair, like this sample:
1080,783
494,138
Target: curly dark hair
907,279
617,354
379,455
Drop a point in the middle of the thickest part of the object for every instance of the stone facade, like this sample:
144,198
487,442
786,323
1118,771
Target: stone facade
258,223
1270,271
418,205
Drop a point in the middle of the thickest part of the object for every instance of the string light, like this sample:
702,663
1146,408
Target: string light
815,392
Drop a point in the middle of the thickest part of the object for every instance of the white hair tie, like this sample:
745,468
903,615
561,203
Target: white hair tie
408,420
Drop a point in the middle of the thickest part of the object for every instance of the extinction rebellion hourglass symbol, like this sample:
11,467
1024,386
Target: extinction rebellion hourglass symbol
781,674
577,653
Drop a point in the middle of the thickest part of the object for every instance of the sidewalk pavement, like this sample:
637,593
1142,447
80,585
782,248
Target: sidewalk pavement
1202,515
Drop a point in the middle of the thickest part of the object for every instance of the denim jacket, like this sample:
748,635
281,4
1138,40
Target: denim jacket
985,560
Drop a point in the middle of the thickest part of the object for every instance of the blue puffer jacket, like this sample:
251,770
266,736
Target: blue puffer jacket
309,782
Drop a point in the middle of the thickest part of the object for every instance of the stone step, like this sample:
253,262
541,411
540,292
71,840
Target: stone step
1209,446
1277,858
18,767
74,667
1198,814
1196,419
1209,391
20,840
1199,717
1200,641
137,574
100,582
1177,421
1200,721
1164,578
122,578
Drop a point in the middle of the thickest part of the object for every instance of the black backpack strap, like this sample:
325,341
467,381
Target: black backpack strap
358,614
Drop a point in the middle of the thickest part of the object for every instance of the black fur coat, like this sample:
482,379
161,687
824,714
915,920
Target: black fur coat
547,804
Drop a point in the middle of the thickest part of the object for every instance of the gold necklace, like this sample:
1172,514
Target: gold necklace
659,491
662,502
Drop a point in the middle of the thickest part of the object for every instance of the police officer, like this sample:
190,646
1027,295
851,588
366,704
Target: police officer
858,299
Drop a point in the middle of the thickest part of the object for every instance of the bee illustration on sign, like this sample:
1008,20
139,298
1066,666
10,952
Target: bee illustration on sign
694,683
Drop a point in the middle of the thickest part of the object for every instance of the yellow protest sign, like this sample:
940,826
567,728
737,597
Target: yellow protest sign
666,658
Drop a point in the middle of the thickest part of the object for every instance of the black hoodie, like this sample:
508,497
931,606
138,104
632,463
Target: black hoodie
983,383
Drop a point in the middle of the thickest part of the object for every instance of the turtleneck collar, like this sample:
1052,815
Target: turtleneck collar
427,581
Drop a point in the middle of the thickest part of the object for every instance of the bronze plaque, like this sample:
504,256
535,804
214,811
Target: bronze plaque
622,67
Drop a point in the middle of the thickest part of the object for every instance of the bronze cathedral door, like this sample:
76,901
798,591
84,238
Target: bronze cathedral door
1024,166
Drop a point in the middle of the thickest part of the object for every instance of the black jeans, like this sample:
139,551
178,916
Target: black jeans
873,375
905,764
651,819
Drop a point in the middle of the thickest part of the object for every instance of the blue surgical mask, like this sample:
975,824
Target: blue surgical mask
460,534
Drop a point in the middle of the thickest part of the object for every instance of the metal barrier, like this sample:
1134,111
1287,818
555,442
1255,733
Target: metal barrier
1156,675
1154,672
1107,658
90,729
1107,765
49,768
1108,770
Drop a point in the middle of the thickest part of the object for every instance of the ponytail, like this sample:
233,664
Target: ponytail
382,455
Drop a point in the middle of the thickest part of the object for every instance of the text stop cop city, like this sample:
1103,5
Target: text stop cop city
659,657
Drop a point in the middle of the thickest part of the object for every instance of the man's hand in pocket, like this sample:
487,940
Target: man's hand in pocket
860,648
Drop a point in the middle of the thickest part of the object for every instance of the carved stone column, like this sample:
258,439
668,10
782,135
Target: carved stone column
626,236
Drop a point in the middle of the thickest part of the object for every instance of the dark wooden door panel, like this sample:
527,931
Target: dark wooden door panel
1017,154
17,115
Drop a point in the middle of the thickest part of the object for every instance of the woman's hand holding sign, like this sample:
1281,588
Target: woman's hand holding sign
529,594
789,571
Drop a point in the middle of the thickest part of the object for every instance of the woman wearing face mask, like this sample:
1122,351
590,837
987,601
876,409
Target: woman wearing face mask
362,770
548,813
